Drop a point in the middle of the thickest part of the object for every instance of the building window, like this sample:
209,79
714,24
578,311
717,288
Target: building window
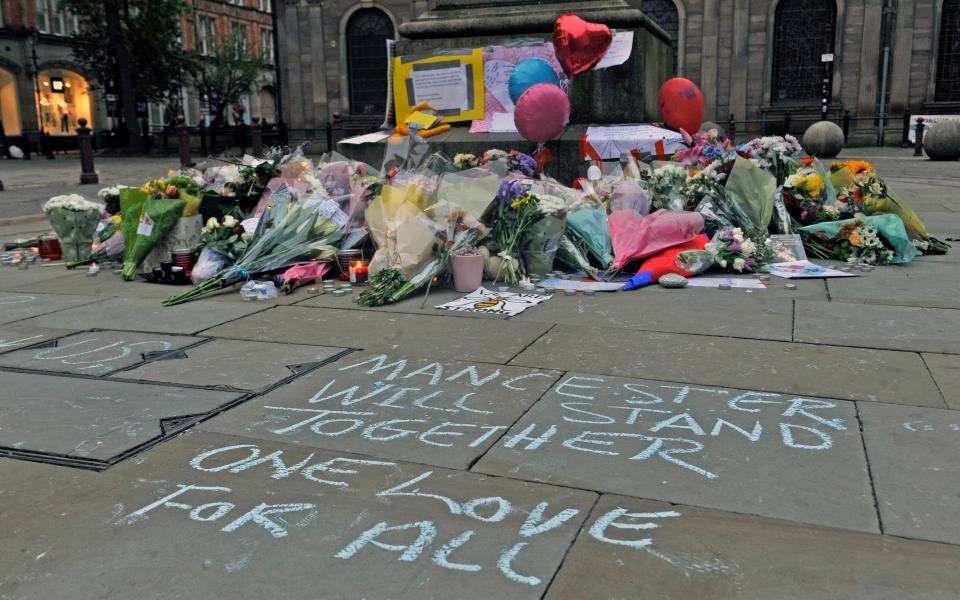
367,33
948,54
64,100
803,31
43,16
266,46
664,13
9,111
265,5
59,18
239,37
207,35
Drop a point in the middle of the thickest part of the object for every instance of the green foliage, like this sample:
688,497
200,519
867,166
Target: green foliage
224,76
150,31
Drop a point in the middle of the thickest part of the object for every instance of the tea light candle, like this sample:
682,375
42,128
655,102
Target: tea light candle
93,269
358,272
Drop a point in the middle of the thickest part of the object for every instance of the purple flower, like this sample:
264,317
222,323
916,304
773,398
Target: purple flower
726,232
808,213
734,246
509,191
520,162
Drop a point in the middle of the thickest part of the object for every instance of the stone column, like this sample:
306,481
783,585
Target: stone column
871,56
708,69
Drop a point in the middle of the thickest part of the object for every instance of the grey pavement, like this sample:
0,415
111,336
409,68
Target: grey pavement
654,444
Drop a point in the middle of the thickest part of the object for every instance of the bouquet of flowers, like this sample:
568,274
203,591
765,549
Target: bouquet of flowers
668,185
804,195
774,154
145,221
874,239
734,251
513,213
300,234
75,220
225,237
110,198
704,148
540,241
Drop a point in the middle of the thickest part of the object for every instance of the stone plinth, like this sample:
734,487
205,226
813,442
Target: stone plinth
623,94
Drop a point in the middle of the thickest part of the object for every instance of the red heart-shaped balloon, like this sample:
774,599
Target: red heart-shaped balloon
579,44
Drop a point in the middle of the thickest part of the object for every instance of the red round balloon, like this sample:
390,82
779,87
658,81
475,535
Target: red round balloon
579,44
542,112
681,104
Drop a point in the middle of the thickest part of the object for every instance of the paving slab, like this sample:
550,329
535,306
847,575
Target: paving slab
914,456
702,553
890,327
11,278
411,305
828,371
896,286
768,454
946,372
455,338
93,419
431,411
757,315
23,484
244,365
16,307
95,352
141,314
16,336
109,284
183,522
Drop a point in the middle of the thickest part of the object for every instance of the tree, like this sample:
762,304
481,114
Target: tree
224,75
136,45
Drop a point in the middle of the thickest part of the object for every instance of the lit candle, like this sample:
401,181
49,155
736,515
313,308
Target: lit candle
93,270
358,272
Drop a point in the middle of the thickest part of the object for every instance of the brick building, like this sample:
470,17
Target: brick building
63,92
754,59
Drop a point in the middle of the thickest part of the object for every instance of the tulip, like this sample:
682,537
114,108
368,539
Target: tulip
172,191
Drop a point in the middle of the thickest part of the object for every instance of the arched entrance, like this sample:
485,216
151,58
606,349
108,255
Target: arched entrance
64,100
367,33
804,30
947,86
9,111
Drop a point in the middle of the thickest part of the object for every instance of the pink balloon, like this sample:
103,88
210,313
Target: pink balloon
542,112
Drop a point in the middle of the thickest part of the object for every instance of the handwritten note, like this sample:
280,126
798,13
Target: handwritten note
619,51
445,89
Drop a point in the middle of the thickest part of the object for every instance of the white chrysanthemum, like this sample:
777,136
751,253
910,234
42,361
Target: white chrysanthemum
739,263
71,202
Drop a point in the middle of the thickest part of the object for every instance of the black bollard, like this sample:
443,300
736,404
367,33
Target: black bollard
183,139
918,145
87,173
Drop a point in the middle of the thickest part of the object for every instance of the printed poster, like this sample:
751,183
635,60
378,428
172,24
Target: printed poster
485,301
450,80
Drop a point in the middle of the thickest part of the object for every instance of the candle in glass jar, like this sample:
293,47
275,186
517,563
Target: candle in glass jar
358,272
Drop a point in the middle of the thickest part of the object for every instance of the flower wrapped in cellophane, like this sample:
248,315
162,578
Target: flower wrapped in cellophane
299,234
75,220
874,240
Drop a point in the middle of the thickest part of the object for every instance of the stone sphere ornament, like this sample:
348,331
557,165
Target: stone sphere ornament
823,139
672,280
529,73
942,141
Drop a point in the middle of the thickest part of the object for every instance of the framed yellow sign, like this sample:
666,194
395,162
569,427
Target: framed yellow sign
450,80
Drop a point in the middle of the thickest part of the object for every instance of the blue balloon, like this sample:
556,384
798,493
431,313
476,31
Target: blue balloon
529,73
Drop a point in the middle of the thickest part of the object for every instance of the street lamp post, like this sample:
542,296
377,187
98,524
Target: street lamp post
36,86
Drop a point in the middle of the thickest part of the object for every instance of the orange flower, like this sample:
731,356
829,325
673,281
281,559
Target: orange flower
808,161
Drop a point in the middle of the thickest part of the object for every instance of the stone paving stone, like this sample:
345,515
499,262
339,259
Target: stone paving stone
94,352
109,285
454,338
24,483
440,413
736,450
409,305
914,457
12,278
896,286
828,371
141,314
16,307
946,372
88,418
702,553
676,311
241,365
330,525
18,336
890,327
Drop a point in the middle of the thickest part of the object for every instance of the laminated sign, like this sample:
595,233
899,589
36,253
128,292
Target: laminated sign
450,80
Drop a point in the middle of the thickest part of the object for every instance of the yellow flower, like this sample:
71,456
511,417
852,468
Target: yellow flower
854,166
116,219
813,184
855,239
